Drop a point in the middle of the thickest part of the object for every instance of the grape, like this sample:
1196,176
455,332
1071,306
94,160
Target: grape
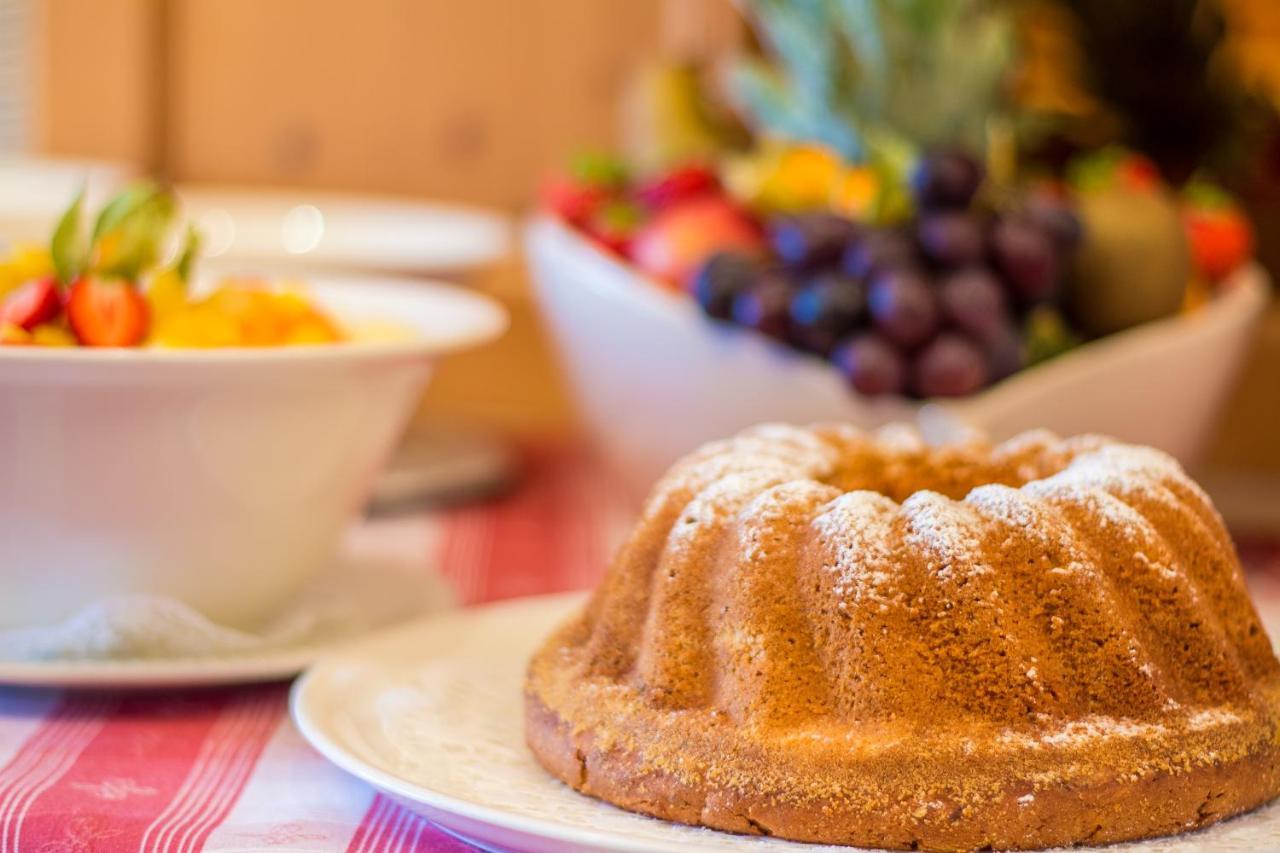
811,240
903,306
878,250
1024,254
825,310
764,306
973,300
950,366
722,277
1004,349
1057,218
945,180
870,364
951,239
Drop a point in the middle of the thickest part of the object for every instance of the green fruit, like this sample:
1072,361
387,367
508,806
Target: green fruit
1134,263
1046,335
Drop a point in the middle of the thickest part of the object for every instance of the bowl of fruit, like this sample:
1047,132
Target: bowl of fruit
204,440
683,312
874,212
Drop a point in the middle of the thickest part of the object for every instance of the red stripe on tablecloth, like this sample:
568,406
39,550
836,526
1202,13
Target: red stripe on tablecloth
544,537
370,827
388,828
45,758
219,772
159,772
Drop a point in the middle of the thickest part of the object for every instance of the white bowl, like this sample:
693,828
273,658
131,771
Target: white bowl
221,478
654,378
313,229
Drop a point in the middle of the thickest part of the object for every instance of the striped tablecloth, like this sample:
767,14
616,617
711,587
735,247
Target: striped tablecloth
225,769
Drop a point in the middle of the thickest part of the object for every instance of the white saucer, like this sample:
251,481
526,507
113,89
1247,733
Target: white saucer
273,665
360,597
431,714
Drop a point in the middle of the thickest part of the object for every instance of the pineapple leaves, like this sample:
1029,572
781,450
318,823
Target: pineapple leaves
763,94
67,247
859,74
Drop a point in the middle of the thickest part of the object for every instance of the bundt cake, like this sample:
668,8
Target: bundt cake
834,636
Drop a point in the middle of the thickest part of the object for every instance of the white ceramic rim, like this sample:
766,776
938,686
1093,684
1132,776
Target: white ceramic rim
1244,292
309,693
315,732
477,236
487,320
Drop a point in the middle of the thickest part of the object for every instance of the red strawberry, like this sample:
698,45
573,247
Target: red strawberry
614,225
1136,172
572,201
1221,240
678,185
107,313
31,304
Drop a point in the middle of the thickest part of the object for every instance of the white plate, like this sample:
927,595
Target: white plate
316,229
431,714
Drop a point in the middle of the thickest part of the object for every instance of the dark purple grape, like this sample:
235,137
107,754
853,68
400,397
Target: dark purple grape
878,250
720,279
973,301
871,364
1005,355
903,306
952,239
950,366
1058,219
825,310
812,240
946,179
764,306
1025,255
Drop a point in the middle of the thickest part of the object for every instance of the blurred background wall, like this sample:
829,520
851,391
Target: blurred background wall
462,101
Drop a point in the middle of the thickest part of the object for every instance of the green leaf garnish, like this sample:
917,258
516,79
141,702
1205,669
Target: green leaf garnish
121,208
130,232
67,247
187,257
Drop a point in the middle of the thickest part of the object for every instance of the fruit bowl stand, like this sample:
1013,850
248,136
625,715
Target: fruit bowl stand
654,378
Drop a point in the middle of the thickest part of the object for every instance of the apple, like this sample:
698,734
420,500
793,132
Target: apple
679,238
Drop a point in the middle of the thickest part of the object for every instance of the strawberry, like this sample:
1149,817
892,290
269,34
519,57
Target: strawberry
107,313
1218,231
614,225
678,185
31,304
1221,240
571,200
1137,173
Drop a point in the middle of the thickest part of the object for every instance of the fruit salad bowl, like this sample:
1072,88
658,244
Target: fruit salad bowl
221,478
654,378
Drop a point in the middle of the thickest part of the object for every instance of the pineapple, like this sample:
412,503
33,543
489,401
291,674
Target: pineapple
877,80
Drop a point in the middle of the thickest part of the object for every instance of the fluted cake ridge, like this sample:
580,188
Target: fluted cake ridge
834,635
